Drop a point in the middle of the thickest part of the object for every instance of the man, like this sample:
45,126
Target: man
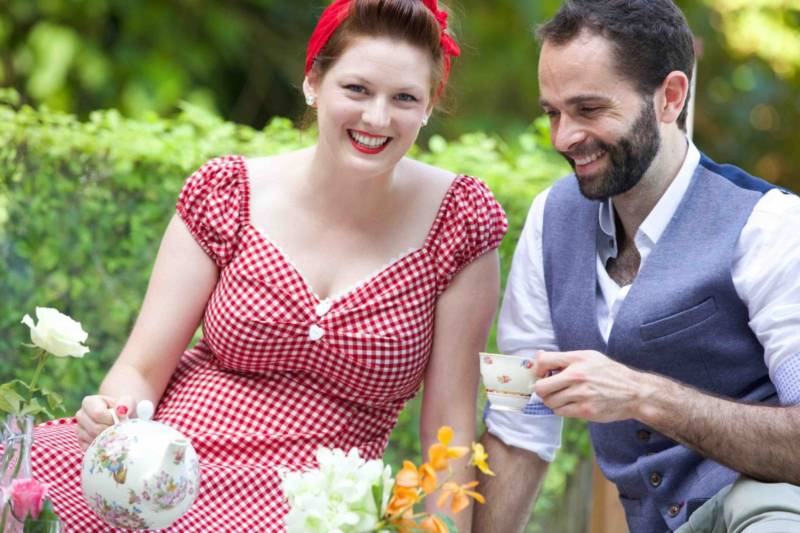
662,290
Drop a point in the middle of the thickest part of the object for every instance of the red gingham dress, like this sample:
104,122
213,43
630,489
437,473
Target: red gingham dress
278,372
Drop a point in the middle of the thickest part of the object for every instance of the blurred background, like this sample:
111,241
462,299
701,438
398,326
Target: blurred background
243,59
106,105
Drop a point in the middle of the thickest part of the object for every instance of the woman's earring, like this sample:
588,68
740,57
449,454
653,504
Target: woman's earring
425,120
310,100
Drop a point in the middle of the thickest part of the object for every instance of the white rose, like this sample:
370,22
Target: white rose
56,333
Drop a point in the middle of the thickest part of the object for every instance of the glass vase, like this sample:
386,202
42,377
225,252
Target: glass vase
16,441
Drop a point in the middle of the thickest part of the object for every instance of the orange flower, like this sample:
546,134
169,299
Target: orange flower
460,494
404,523
479,457
427,478
407,477
403,499
434,524
440,453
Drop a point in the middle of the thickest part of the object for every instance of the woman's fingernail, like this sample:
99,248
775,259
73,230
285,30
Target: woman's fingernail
122,410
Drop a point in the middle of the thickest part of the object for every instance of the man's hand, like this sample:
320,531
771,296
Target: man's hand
588,385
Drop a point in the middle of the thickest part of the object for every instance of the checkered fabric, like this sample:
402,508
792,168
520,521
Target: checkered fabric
278,372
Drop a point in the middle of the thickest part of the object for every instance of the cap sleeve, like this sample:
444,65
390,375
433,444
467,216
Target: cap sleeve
212,204
473,223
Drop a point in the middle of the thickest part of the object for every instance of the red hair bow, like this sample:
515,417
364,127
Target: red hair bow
338,11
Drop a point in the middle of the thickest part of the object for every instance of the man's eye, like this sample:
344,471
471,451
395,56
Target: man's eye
589,110
405,97
551,113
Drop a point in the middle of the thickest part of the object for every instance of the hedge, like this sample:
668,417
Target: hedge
83,205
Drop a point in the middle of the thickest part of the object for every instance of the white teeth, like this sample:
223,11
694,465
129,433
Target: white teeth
369,142
590,159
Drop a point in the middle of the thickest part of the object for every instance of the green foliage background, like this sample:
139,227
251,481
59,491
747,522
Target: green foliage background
243,59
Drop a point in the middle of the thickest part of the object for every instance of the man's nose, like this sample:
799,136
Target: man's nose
566,134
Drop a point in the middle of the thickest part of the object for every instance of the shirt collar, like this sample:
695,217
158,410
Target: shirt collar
656,222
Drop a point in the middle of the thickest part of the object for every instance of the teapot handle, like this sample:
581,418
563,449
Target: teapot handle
117,412
144,411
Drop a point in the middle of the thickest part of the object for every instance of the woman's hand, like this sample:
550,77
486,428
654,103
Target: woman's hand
95,415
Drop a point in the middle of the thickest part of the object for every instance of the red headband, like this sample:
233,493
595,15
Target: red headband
338,11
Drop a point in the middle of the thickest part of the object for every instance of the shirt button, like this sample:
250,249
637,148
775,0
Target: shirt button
315,332
643,435
323,307
674,510
655,479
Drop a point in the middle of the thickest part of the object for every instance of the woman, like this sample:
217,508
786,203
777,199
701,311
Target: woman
330,281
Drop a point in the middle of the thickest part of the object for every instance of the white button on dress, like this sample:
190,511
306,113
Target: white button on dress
323,307
315,332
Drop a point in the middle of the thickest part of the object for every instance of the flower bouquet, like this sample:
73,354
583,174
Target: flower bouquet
23,501
347,494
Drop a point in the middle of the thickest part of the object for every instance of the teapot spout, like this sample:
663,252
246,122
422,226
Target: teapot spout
174,455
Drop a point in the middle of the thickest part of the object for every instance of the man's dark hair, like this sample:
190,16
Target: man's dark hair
650,38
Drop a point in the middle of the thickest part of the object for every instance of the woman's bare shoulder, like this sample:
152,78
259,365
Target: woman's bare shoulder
428,177
271,167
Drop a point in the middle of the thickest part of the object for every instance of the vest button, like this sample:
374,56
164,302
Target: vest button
674,510
655,479
643,435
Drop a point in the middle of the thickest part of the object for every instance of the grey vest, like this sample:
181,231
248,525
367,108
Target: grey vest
682,318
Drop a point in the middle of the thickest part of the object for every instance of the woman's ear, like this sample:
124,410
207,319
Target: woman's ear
310,90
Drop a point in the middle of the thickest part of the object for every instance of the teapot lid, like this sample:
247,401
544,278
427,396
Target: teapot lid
144,410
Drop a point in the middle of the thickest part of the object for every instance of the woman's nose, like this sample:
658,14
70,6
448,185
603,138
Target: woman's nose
376,113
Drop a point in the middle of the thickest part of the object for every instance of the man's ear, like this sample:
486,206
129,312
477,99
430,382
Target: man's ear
672,96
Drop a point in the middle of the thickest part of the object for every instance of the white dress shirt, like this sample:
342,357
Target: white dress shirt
765,272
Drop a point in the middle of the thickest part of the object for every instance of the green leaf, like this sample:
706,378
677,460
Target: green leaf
377,495
33,408
451,526
55,401
42,524
10,400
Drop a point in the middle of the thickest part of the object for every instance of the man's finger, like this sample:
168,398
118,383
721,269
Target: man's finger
547,386
547,362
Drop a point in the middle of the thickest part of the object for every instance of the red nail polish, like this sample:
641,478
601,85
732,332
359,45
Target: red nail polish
122,410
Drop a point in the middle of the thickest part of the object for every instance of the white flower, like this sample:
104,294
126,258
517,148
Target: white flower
56,333
338,496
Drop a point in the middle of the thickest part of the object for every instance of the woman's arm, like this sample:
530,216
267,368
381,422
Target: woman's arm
464,314
182,280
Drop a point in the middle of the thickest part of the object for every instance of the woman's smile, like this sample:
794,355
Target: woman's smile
368,143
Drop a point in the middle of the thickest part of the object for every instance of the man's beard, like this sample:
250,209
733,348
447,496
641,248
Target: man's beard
629,158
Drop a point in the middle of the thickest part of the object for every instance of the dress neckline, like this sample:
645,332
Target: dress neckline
365,280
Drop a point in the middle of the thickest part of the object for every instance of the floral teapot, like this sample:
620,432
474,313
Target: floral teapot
139,473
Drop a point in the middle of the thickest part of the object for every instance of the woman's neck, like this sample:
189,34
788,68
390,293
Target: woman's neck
337,192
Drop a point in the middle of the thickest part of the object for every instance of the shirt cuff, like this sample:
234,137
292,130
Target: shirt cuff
787,380
537,433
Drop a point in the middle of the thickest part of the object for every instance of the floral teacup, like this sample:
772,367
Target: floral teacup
508,380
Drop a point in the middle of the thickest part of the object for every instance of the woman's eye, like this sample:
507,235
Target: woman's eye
355,88
405,97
